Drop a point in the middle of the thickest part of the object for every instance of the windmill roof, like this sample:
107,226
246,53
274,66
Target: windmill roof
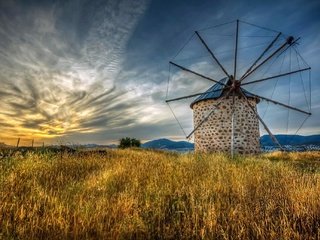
216,91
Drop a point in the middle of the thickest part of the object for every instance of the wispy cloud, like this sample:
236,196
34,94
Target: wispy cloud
97,70
60,77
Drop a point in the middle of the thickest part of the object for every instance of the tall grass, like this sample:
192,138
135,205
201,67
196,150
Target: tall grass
139,194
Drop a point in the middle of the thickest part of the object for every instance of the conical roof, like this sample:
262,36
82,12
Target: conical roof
216,91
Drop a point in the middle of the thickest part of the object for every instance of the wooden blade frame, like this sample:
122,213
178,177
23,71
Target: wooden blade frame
194,95
207,117
277,103
195,73
236,52
237,83
276,76
212,55
273,138
289,42
261,55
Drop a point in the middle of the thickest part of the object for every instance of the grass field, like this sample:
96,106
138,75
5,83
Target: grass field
141,194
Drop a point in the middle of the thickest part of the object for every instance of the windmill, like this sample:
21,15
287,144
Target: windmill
225,114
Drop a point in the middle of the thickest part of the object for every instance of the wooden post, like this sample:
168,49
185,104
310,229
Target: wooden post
232,135
32,143
18,142
43,144
232,124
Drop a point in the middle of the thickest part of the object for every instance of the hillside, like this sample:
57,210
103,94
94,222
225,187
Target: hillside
168,144
291,140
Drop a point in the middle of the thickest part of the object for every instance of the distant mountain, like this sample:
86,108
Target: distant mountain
168,144
92,145
291,140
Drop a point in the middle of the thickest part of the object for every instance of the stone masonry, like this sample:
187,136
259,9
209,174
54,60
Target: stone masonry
215,134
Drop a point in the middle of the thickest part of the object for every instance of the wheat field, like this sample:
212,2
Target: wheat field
144,194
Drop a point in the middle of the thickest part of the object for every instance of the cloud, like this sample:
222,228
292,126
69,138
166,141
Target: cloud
60,76
97,70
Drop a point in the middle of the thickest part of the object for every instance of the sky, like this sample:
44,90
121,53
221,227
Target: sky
96,71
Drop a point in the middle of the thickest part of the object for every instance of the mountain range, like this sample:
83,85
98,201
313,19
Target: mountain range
265,141
294,140
164,143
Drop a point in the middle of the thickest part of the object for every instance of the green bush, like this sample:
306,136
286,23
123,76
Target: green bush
129,142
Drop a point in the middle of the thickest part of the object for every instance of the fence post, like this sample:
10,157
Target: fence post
32,143
18,142
43,144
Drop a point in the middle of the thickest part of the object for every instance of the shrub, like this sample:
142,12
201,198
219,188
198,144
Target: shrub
129,142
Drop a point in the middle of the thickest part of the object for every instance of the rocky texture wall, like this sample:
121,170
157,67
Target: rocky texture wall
215,133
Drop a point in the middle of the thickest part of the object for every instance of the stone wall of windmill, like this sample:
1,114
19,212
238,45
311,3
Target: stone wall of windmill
215,134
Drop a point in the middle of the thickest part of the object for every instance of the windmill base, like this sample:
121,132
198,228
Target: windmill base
222,134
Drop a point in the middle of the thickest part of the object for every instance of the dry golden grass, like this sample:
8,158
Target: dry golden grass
140,194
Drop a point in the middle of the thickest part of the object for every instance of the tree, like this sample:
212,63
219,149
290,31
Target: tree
129,142
135,142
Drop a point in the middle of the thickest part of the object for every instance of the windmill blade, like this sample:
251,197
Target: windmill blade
236,51
207,117
276,102
174,115
211,53
194,95
289,41
273,138
261,55
261,27
276,76
214,54
195,73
